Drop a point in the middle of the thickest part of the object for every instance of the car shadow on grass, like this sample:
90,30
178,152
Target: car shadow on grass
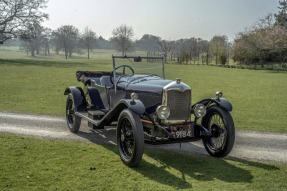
179,169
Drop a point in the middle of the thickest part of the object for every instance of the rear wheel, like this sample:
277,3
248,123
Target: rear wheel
221,125
130,138
73,121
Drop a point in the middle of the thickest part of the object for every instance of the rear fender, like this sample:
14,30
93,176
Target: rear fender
78,98
222,102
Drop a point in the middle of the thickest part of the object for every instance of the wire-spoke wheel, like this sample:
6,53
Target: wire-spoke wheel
73,121
130,138
220,123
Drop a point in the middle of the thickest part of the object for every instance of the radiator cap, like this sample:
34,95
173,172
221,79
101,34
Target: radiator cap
178,80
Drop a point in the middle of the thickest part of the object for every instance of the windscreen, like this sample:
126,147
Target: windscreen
141,65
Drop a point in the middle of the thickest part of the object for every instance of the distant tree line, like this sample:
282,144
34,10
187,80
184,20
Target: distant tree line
21,19
190,50
265,41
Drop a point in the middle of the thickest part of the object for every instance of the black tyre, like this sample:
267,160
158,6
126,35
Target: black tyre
130,138
221,125
73,121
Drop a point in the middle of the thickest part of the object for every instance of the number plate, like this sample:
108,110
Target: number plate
182,134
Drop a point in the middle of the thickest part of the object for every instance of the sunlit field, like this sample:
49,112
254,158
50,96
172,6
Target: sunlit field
38,164
11,52
36,85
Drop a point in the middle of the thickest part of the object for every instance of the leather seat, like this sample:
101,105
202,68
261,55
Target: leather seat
105,81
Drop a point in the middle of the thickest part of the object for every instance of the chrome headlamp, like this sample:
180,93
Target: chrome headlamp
199,110
134,96
218,94
163,112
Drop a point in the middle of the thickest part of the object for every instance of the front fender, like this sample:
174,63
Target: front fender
134,105
222,102
78,98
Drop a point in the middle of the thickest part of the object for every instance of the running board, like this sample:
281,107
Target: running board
99,120
95,124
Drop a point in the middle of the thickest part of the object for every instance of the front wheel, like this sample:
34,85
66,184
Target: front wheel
220,123
130,138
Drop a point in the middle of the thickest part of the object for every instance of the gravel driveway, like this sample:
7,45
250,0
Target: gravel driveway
248,144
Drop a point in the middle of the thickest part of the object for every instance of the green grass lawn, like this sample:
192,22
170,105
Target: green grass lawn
258,97
36,85
37,164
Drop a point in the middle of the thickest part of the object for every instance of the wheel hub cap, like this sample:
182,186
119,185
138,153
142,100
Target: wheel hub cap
215,130
122,137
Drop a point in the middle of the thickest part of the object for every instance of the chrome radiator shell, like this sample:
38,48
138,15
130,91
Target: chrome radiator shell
177,96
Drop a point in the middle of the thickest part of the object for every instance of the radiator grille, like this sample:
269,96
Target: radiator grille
179,104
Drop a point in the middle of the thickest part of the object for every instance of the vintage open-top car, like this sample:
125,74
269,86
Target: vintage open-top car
148,108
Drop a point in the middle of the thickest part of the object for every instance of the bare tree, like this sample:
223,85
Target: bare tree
55,43
88,39
192,45
179,47
203,47
17,15
46,41
122,38
36,35
266,22
68,38
172,50
165,47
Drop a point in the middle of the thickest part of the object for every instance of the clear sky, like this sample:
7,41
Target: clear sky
169,19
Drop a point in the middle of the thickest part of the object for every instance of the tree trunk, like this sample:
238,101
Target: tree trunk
261,62
88,53
190,56
66,52
202,59
48,49
33,53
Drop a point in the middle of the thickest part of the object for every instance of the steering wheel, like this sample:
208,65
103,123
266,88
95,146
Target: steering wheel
124,72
